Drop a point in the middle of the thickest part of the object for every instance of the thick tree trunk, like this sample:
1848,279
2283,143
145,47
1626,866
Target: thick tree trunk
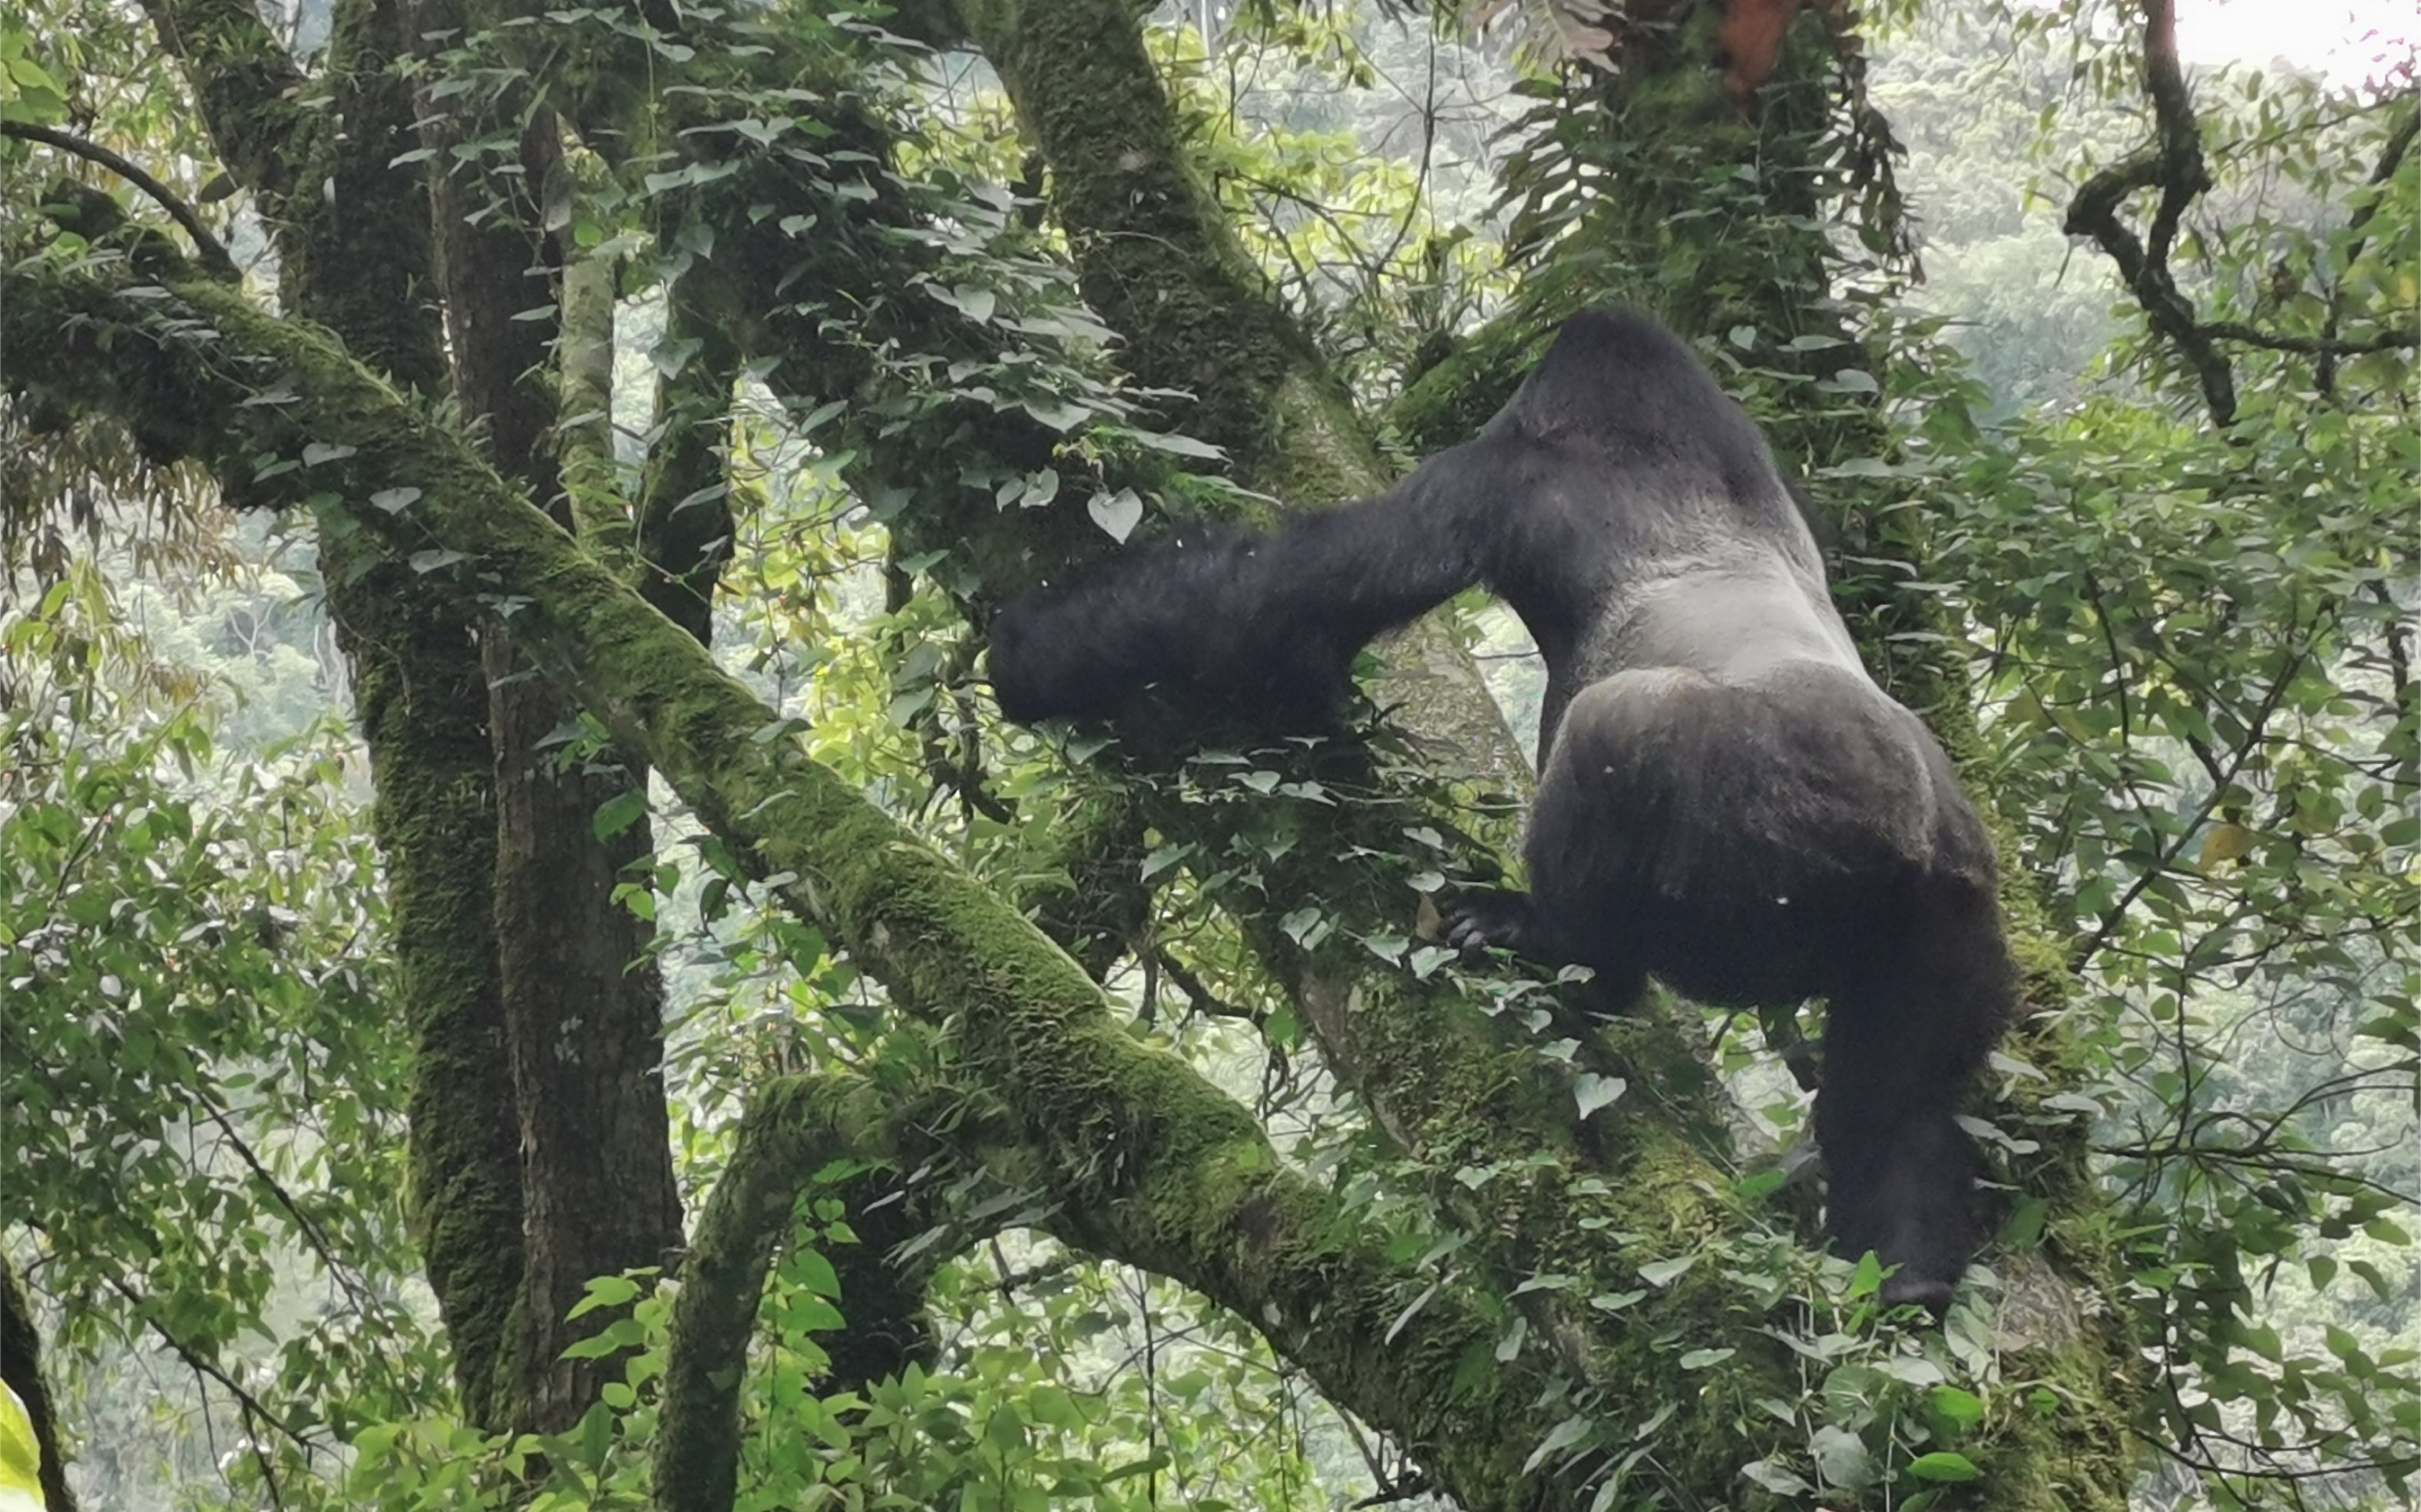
353,238
584,1000
1146,1162
419,701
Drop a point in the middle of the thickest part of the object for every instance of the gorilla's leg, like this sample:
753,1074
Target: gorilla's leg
1905,1035
1594,812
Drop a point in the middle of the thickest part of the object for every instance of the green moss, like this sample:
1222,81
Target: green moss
1155,255
357,251
420,701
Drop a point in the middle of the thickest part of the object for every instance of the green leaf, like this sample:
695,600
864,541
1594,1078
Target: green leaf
812,1271
1563,1436
1964,1408
1868,1277
1664,1272
1593,1091
975,303
1760,1184
1841,1457
1057,413
1943,1465
1116,513
1411,1311
1304,927
1181,446
618,813
1779,1479
606,1291
1164,857
20,1456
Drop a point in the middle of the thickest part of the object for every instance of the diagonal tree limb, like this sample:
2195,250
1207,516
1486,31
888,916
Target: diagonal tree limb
1148,1162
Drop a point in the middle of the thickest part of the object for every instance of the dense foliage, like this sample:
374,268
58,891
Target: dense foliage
2182,643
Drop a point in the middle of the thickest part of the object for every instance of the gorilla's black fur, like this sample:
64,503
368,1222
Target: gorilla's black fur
1726,799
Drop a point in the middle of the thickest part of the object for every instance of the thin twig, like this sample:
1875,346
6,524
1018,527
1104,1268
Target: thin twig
214,255
255,1410
1198,997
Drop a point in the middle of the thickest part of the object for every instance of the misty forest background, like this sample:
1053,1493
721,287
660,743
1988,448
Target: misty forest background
460,1050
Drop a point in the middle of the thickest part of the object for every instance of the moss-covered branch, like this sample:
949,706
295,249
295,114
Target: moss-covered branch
1146,1161
1156,255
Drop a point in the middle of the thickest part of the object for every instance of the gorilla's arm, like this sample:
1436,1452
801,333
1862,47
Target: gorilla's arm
1258,626
1728,803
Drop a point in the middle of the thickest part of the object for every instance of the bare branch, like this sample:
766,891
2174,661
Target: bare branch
2174,165
214,255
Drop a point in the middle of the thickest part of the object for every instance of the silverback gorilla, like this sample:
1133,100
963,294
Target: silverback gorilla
1726,799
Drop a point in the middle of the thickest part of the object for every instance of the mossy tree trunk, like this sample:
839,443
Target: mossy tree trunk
1195,1192
584,1000
541,1153
360,257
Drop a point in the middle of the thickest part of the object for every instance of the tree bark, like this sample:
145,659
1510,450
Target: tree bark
357,255
584,1000
1145,1163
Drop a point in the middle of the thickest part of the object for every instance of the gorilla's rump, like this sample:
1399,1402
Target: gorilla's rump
1749,841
